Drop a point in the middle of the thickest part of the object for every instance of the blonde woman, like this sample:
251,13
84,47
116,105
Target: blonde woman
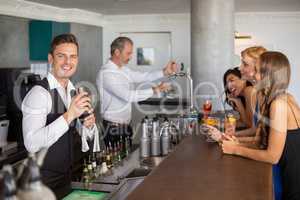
279,127
249,68
249,59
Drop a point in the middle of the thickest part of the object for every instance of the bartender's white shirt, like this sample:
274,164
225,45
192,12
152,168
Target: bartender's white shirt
36,105
116,93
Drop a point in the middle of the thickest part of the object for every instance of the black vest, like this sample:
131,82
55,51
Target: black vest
59,158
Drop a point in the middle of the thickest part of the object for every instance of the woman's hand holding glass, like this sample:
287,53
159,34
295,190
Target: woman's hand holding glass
228,142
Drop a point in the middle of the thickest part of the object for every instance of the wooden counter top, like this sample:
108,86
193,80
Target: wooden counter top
198,170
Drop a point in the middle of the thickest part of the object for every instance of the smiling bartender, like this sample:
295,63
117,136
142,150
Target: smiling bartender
115,84
49,113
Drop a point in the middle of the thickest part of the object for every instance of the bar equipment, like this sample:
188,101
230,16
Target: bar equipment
30,184
181,73
145,148
165,137
155,138
191,121
8,185
80,90
3,132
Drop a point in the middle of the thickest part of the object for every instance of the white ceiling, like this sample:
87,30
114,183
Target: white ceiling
112,7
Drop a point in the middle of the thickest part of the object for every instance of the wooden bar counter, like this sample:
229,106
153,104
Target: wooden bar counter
197,170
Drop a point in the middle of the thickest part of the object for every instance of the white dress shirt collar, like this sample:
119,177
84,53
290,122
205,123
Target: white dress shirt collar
112,65
53,83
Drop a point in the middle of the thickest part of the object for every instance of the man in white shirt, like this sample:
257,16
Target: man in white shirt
49,113
114,82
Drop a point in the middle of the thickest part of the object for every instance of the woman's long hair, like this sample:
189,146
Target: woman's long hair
275,73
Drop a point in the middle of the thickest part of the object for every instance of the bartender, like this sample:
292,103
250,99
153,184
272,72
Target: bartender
49,113
114,82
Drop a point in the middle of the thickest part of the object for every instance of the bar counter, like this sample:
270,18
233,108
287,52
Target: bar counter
198,170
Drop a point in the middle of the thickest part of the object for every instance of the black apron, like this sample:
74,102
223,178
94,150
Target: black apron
56,169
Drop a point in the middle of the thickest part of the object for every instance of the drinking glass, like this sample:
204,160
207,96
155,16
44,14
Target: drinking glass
211,121
230,124
207,107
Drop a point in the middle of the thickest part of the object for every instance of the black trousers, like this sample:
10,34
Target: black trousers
114,132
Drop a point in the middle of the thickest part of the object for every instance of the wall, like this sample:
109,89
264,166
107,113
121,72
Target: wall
276,31
14,42
90,51
177,24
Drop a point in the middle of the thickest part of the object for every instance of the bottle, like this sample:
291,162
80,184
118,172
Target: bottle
122,148
103,156
103,167
119,152
99,158
85,176
108,159
90,168
94,165
127,146
113,155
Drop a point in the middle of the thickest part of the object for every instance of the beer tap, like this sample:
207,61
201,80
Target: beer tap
181,73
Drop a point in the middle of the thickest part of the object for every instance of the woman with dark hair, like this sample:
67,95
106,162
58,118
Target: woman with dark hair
240,95
279,125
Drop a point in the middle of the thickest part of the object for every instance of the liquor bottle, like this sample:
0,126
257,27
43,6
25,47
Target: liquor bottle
103,167
90,168
108,159
103,156
94,165
85,179
99,158
123,147
119,152
115,155
127,146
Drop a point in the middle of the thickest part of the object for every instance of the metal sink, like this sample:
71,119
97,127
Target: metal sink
138,172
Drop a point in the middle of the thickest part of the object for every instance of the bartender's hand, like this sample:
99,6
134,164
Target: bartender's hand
79,104
162,87
89,121
171,68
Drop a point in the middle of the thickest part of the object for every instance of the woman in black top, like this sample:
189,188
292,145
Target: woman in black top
279,125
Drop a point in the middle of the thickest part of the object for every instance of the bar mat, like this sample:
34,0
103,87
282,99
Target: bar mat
85,195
